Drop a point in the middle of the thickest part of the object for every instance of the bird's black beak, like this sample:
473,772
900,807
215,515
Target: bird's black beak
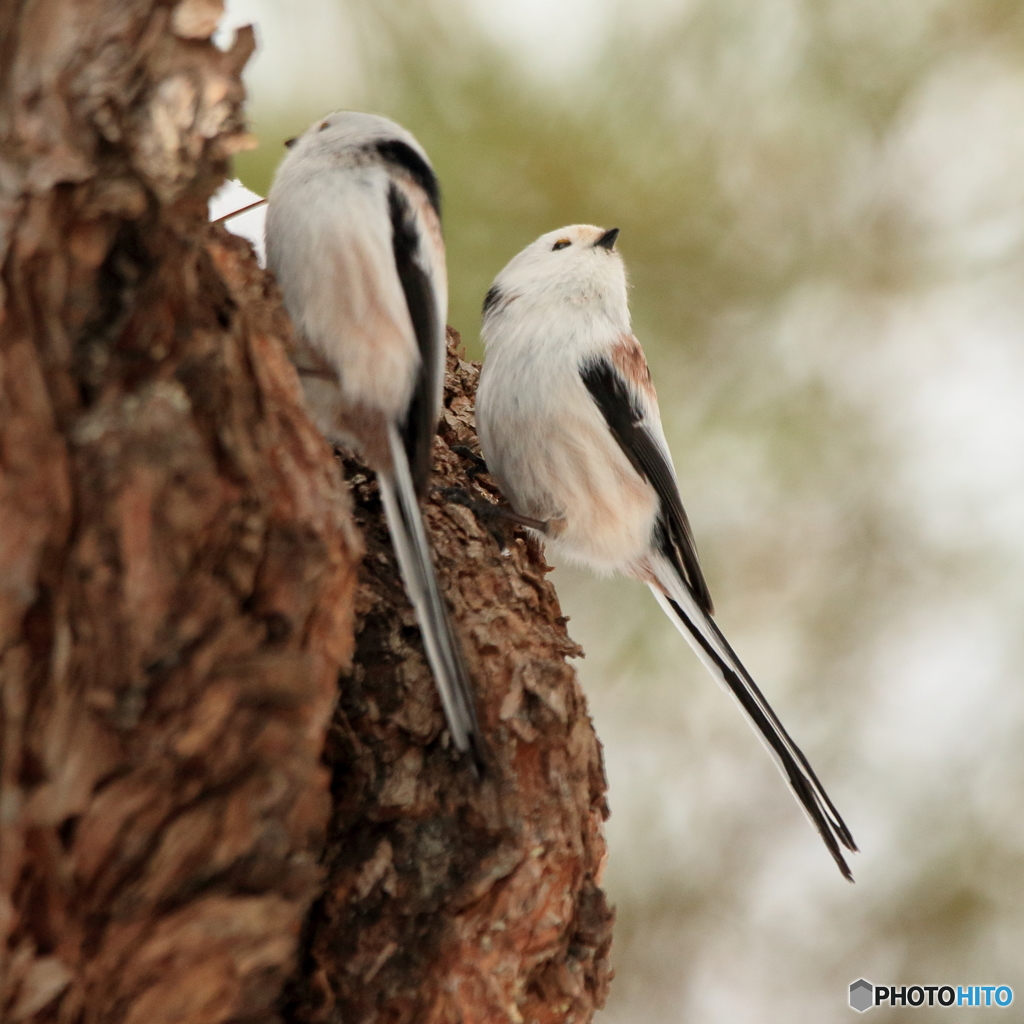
290,142
607,240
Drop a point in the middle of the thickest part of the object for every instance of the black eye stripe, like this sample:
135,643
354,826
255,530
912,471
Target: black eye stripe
492,298
562,243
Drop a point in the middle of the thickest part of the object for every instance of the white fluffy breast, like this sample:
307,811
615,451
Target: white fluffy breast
555,459
329,243
558,303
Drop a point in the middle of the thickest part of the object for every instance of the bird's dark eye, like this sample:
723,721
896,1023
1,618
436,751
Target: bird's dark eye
560,244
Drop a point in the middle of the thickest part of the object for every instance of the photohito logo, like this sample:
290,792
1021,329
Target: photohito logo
864,995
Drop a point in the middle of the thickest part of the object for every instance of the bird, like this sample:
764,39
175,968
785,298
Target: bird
353,236
569,427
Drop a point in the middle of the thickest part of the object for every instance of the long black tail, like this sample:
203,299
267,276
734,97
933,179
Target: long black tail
714,651
444,653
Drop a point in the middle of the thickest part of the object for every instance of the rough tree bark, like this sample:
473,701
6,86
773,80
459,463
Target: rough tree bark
449,899
177,561
178,590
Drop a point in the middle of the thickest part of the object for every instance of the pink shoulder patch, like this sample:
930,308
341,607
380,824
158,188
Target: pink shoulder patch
628,358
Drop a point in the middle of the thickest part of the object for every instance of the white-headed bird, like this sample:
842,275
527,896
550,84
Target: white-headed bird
569,426
354,238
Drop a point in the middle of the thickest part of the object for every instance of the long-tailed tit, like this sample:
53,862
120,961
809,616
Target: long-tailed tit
354,238
569,426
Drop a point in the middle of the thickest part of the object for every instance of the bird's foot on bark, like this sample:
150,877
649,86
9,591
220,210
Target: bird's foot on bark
491,516
477,464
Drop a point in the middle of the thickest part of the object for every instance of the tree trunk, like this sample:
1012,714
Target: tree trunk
178,590
451,899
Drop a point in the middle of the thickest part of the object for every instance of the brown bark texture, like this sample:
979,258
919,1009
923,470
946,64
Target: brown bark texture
180,585
177,560
450,899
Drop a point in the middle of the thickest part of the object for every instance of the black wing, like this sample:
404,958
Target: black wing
401,154
624,415
421,419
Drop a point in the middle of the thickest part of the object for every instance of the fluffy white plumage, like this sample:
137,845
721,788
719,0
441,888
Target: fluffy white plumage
569,426
331,243
354,238
548,313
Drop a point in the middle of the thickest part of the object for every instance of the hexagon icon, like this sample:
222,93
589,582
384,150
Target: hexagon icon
862,995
